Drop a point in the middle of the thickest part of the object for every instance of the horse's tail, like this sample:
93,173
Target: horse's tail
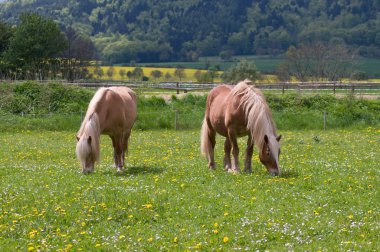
206,145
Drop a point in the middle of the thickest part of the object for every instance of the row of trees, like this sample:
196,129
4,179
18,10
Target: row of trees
137,74
166,30
37,49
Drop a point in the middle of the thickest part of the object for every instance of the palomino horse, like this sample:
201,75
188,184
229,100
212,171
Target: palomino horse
112,111
236,111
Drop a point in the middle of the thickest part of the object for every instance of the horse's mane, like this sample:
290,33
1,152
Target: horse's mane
257,112
91,126
91,108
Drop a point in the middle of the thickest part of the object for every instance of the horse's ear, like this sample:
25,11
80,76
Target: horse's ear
266,139
89,140
77,138
278,138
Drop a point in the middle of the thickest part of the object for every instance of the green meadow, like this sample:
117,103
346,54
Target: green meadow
326,198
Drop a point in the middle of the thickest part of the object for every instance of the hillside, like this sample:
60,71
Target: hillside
165,30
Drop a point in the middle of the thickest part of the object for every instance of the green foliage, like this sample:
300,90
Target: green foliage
46,102
150,31
35,40
243,70
34,98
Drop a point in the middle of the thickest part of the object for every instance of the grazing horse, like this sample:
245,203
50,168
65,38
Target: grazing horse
236,111
112,111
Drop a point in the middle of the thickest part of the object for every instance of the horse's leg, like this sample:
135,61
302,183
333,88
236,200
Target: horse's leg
114,151
227,154
248,155
125,147
235,151
211,161
118,153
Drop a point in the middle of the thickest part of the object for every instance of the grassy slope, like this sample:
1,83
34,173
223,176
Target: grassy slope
326,199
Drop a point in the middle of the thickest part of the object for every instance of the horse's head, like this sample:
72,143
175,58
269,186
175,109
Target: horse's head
270,154
85,153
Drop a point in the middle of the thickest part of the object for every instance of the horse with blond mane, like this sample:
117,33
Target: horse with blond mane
237,111
112,111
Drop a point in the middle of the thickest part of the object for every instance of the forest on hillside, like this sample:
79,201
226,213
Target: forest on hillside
166,30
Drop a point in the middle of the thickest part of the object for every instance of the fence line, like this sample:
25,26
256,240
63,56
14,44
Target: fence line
281,86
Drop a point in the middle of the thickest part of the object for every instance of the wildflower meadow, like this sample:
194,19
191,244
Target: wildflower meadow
326,199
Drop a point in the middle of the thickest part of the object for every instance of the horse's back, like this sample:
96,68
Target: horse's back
117,110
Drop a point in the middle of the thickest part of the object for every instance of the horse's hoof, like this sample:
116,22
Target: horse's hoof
232,171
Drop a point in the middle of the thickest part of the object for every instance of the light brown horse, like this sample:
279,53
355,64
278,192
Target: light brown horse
236,111
112,111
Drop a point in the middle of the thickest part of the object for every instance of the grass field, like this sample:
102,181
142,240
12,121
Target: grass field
327,198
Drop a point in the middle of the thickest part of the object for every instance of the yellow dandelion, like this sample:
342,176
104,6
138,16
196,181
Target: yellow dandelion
216,224
150,239
147,206
83,224
350,216
226,213
97,245
225,239
175,240
215,231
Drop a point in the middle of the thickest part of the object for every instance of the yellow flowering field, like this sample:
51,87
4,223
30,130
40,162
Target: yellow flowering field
326,199
188,73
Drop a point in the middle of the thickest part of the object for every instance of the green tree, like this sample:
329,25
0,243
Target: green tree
5,35
156,74
122,73
168,76
98,71
36,40
137,73
179,72
243,70
110,72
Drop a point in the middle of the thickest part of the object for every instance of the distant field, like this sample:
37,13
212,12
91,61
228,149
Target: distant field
264,64
189,73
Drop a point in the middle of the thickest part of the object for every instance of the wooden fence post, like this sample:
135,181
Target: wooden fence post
176,119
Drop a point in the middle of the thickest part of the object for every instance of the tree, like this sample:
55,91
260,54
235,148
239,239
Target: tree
110,72
98,71
243,70
179,72
5,35
122,73
138,73
36,40
318,61
168,76
213,73
79,52
156,74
